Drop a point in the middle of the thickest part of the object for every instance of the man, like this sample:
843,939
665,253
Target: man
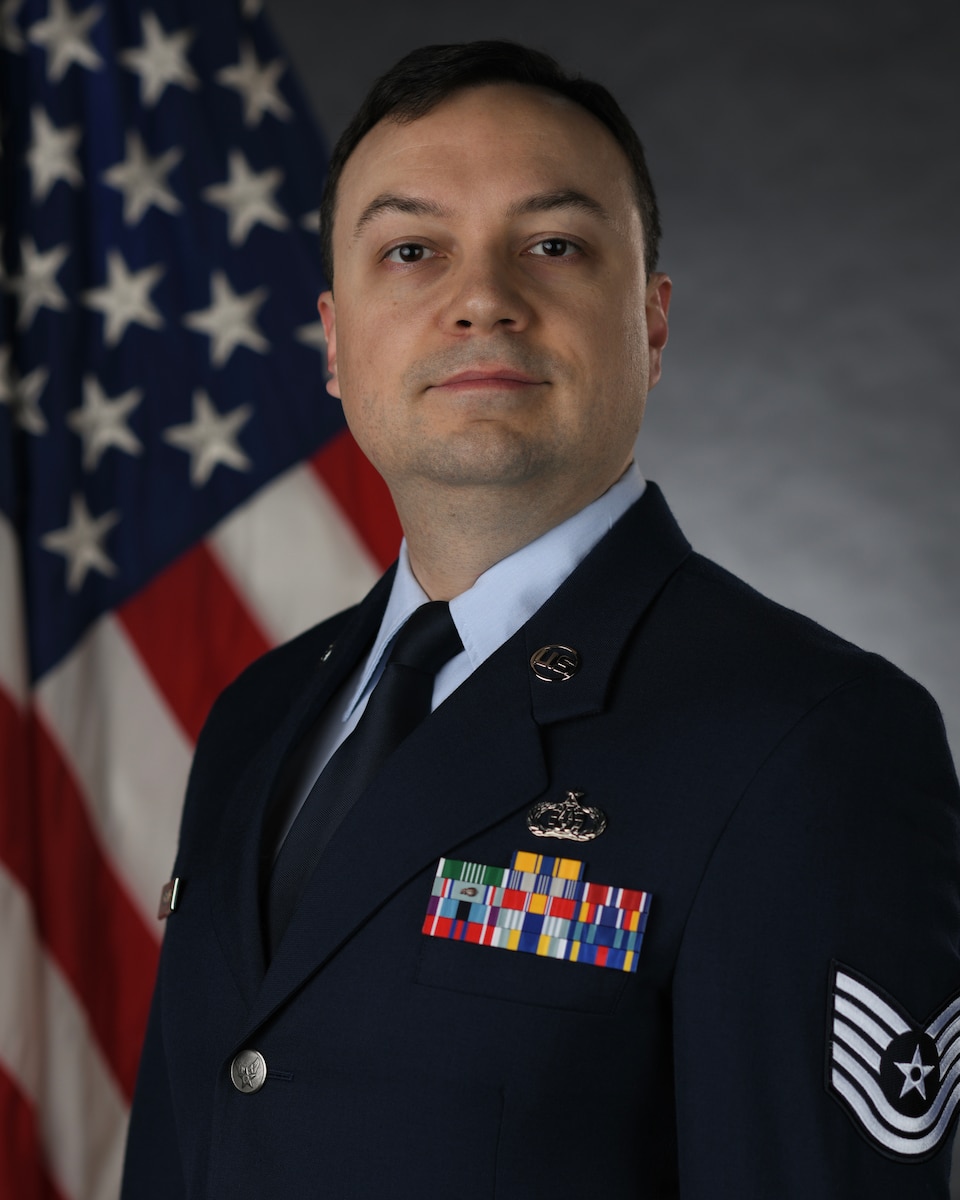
725,960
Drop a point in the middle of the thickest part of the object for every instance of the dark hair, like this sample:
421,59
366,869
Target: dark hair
426,77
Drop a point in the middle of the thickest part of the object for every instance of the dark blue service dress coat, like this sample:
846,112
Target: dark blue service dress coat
785,801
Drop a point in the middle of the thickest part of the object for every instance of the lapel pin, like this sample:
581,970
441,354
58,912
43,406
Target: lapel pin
567,819
326,654
555,663
169,898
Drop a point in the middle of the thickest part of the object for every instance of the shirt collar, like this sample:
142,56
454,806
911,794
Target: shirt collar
507,594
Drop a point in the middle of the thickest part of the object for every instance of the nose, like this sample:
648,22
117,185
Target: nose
487,296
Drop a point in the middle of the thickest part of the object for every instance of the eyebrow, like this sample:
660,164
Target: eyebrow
564,198
412,206
541,202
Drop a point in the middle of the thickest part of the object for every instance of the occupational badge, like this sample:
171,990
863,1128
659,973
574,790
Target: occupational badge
898,1080
538,905
567,819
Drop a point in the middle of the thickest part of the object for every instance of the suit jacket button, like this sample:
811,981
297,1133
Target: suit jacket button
248,1071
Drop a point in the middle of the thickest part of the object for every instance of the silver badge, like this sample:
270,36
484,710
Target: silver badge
567,819
553,663
899,1080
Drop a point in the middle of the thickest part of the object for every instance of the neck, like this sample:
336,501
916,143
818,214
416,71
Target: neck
454,536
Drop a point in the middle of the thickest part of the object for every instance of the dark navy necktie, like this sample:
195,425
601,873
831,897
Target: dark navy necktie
399,702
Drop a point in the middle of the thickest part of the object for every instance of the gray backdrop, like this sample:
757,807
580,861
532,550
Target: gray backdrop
806,157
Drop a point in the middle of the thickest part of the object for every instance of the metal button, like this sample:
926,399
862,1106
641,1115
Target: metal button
553,663
248,1071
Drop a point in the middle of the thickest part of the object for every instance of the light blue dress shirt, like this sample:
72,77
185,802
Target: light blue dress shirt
503,599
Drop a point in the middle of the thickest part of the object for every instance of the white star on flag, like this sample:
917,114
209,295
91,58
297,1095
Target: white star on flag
257,85
52,155
914,1075
80,542
312,335
64,34
23,395
101,422
10,36
124,298
37,286
211,438
247,198
143,179
6,375
161,59
229,321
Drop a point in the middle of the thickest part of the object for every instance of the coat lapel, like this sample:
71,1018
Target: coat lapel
431,794
597,608
235,900
479,758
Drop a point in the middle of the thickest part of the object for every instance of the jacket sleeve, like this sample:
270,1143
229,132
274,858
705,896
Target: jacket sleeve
842,854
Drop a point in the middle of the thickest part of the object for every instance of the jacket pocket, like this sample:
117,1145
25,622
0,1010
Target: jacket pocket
518,977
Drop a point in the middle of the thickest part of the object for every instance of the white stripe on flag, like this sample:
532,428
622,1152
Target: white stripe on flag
13,644
127,751
292,555
46,1047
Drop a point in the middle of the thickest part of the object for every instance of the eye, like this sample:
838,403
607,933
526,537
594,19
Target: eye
408,252
554,248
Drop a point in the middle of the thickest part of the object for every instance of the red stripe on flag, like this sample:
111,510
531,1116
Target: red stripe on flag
22,1176
194,634
362,495
83,912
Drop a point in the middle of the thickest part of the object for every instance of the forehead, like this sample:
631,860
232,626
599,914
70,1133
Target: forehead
495,139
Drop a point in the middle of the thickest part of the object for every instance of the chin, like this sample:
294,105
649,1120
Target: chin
503,460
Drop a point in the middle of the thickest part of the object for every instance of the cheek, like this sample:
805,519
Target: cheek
619,354
374,343
356,366
631,337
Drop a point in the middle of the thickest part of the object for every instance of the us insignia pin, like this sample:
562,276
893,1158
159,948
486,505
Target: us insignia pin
898,1080
553,664
567,819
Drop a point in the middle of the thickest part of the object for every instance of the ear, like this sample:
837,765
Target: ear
659,289
328,315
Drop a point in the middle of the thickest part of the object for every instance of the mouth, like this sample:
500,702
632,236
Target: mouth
477,379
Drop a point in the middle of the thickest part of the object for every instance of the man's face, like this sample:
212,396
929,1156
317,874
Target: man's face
493,326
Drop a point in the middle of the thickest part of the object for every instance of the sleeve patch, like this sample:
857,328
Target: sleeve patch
898,1079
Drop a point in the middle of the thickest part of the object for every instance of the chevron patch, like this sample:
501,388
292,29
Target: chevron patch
898,1080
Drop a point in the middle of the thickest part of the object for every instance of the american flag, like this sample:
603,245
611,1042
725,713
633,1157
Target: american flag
177,494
